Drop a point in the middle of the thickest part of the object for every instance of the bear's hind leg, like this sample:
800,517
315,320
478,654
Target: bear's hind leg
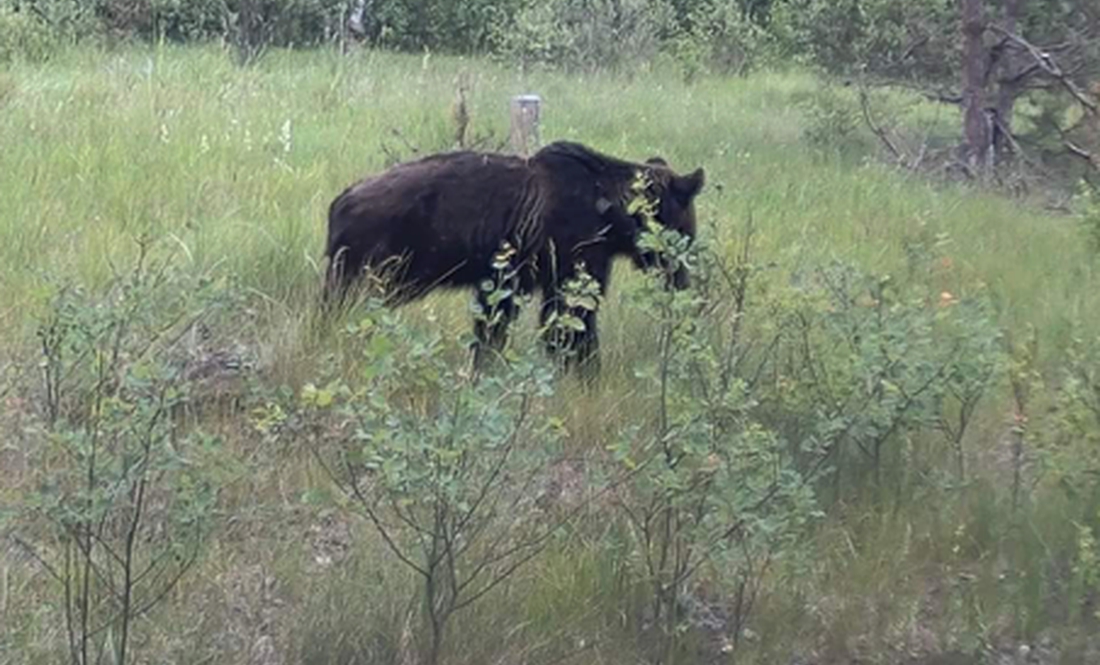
573,349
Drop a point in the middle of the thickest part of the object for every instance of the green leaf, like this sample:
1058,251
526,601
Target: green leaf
379,346
571,322
584,302
498,296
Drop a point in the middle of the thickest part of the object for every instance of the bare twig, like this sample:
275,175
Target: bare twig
30,550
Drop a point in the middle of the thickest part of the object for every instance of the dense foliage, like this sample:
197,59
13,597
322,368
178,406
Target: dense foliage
911,40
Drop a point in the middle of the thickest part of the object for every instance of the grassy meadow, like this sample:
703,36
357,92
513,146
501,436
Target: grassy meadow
232,169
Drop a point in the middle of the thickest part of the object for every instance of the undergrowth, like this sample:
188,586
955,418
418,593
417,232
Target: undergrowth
869,430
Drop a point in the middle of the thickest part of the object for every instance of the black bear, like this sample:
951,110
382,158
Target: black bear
441,221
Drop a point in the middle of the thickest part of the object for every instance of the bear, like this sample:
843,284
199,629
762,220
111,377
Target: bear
441,221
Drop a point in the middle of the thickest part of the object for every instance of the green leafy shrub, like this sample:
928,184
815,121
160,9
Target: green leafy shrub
713,496
832,118
861,361
1052,515
882,37
458,26
65,21
277,22
176,20
1090,216
24,36
585,34
124,490
1070,434
717,36
444,464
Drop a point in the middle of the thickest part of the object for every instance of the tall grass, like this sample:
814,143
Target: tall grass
236,168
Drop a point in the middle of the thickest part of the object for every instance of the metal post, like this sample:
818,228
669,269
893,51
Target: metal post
525,123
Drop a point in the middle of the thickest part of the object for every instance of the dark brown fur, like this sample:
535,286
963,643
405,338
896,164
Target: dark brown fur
441,219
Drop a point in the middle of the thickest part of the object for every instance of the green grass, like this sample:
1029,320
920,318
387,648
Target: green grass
99,147
236,167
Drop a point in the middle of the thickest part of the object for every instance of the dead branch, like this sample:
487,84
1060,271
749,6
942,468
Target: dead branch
952,98
1019,76
917,43
1036,167
408,144
394,156
1078,151
919,159
878,131
940,96
1047,63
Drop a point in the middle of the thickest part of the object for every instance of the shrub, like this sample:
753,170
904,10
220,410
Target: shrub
585,34
717,36
832,118
450,25
1070,433
24,36
176,20
124,490
711,491
1090,215
446,466
883,37
249,25
858,362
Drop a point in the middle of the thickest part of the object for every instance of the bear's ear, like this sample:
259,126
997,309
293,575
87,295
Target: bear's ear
603,204
659,161
689,185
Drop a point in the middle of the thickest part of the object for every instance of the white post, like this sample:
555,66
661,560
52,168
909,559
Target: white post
525,123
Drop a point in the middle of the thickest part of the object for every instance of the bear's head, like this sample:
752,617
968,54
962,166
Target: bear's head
672,200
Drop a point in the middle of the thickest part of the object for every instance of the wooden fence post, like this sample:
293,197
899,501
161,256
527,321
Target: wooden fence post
525,123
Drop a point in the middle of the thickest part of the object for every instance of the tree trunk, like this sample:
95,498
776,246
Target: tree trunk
1009,84
977,136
